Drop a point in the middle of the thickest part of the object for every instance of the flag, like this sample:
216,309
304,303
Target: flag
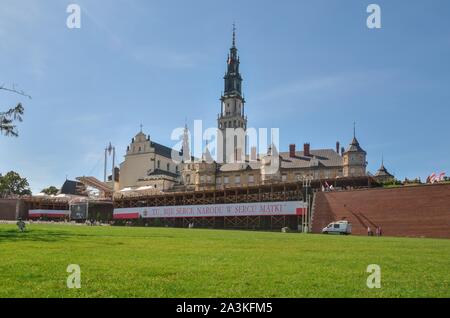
433,178
441,176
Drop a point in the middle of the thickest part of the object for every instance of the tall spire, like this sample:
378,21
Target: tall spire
354,129
234,34
233,79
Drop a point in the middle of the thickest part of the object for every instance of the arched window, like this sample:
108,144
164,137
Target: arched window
159,164
168,167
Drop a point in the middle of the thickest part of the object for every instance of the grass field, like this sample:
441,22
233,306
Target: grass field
150,262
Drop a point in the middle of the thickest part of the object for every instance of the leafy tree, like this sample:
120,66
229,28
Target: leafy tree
9,118
12,184
52,190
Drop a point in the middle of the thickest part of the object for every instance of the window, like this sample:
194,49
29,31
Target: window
202,179
140,149
188,179
168,167
218,180
208,179
283,177
251,178
225,180
237,179
176,169
159,164
336,226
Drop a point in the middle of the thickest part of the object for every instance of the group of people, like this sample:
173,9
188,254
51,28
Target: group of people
378,231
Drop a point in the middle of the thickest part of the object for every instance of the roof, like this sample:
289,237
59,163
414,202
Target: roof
73,188
239,166
160,172
383,172
162,150
354,146
317,158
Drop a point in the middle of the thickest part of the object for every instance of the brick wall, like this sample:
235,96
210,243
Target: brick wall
416,211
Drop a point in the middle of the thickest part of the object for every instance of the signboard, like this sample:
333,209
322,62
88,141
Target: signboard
48,213
214,210
79,211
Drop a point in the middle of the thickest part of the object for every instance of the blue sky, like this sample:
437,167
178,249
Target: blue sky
311,68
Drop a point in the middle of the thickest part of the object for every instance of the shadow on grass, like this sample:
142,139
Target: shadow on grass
14,235
32,235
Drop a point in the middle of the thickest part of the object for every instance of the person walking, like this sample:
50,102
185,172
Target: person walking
369,232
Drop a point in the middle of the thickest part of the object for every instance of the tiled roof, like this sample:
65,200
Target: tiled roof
160,172
317,158
382,172
162,150
354,146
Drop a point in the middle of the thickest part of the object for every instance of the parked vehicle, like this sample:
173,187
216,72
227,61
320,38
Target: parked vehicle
340,227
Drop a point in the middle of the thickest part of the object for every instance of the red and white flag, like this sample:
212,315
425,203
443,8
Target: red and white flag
433,178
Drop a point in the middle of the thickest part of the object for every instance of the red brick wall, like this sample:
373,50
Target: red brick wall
416,211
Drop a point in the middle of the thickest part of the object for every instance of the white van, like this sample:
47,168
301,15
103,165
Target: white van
340,227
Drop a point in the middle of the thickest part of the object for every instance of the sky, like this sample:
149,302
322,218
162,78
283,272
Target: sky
310,68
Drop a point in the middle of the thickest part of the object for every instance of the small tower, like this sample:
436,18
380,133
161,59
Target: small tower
354,157
271,165
232,114
383,175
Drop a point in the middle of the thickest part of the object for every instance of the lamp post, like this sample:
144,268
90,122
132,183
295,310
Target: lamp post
306,218
110,151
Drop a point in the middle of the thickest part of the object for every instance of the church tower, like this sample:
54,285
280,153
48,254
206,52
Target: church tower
232,115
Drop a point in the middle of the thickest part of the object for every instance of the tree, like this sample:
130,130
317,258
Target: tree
11,116
52,190
12,184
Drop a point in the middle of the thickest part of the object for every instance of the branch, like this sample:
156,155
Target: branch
14,90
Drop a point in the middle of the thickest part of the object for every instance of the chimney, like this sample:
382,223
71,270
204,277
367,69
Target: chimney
253,156
338,147
306,149
292,150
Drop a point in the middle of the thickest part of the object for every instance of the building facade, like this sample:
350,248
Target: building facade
149,165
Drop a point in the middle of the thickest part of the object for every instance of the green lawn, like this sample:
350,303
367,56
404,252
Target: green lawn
160,262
